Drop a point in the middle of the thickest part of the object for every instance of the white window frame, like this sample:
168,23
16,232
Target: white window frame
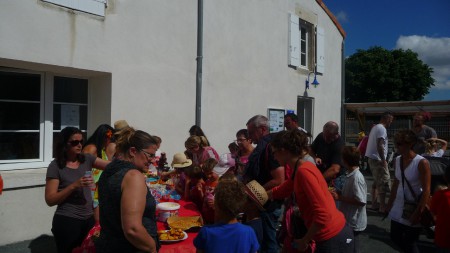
45,126
299,28
304,30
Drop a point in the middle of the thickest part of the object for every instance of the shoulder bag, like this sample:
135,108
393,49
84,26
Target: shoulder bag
426,218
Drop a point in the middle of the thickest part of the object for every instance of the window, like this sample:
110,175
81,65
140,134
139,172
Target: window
305,112
33,109
20,114
306,45
305,34
96,7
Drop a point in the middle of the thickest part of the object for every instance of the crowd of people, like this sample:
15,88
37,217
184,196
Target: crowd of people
313,188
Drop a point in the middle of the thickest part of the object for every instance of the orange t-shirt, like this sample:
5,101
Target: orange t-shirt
314,200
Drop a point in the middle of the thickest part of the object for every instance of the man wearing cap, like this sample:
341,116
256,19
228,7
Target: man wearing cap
263,168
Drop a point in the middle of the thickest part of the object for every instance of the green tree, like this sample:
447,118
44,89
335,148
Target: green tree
381,75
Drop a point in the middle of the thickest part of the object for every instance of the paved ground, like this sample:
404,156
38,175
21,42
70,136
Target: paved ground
374,239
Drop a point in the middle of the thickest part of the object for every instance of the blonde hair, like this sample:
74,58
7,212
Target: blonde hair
195,141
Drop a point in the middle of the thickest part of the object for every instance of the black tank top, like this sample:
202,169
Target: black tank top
112,238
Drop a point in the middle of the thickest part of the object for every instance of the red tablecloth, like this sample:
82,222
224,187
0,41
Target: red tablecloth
186,246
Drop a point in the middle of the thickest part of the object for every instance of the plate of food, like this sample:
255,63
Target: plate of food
172,235
184,223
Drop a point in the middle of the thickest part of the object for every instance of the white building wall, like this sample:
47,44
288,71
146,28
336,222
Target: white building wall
140,62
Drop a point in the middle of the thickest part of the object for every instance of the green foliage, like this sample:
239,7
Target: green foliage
380,75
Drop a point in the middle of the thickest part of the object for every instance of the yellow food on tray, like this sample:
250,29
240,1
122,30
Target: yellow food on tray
184,223
171,235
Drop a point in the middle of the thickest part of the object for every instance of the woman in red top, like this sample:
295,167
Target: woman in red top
326,225
440,207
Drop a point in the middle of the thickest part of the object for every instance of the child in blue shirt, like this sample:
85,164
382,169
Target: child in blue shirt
227,235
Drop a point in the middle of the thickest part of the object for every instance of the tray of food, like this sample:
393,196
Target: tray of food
172,235
184,223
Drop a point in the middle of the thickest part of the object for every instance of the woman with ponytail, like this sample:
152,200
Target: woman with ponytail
127,216
198,147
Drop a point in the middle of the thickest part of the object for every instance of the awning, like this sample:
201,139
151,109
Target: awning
436,108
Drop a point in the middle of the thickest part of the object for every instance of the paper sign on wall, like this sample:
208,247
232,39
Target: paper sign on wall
276,120
70,116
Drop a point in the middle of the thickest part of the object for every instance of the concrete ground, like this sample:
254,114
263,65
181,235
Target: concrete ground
374,239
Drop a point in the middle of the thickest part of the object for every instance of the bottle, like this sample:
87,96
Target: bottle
162,163
92,187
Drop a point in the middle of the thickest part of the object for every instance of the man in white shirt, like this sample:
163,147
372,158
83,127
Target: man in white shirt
376,152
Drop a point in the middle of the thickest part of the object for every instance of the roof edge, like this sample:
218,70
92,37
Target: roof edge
333,18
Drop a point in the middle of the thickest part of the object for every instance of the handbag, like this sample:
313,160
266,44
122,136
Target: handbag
426,218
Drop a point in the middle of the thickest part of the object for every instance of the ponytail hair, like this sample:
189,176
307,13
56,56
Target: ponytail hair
195,141
129,137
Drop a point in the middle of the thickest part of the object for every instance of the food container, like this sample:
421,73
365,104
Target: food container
166,210
185,222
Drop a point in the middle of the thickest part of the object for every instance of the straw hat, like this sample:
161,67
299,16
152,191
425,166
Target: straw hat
225,162
120,124
257,193
180,161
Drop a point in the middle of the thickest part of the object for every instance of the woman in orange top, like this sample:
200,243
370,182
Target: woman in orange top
326,225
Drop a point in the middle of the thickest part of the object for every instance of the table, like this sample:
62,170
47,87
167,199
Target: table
187,246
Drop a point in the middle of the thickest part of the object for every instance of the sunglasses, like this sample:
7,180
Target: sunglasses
149,156
75,142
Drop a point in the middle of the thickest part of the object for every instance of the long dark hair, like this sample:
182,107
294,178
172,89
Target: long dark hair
99,137
61,146
197,131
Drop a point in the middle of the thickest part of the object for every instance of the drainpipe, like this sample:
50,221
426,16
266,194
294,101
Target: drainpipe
343,112
198,91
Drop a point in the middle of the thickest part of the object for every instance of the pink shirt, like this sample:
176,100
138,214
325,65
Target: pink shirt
208,152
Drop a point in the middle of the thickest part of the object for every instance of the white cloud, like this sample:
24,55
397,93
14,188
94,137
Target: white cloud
342,17
433,51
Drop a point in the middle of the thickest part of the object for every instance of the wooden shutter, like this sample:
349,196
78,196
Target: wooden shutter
320,59
294,40
96,7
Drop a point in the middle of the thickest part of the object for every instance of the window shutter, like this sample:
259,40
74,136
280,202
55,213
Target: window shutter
294,40
320,60
96,7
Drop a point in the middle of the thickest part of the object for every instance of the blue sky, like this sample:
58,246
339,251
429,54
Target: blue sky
422,26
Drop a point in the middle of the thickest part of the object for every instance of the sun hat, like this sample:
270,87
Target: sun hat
180,161
225,162
120,124
257,193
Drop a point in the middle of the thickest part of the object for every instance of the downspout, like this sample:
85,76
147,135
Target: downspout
343,112
198,90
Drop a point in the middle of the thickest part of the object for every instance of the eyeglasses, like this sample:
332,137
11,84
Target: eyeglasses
75,142
147,154
240,140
